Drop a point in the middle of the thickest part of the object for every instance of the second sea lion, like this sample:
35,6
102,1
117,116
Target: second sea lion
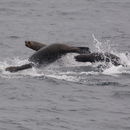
99,57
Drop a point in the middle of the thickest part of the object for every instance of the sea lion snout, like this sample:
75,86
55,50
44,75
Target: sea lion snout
26,41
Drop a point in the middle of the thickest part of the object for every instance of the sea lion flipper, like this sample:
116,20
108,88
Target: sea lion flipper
84,50
11,69
18,68
84,58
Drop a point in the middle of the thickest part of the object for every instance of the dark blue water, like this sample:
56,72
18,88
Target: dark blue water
66,94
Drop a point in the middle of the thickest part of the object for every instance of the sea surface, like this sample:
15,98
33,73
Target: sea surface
65,95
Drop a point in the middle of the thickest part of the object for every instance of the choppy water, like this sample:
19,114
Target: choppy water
66,94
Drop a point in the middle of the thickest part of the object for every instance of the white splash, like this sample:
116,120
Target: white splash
111,69
101,46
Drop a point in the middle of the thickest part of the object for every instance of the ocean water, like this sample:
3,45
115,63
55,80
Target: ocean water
66,95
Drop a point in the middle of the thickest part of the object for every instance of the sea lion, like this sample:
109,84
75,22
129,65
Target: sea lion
47,55
37,45
99,57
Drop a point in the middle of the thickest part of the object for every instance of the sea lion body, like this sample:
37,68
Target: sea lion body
51,53
47,54
99,57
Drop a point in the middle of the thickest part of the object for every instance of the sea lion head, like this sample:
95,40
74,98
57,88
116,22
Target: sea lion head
34,45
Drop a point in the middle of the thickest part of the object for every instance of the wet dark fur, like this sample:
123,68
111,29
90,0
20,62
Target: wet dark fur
99,57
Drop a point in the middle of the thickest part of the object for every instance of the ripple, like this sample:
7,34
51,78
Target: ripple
108,84
14,37
122,94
